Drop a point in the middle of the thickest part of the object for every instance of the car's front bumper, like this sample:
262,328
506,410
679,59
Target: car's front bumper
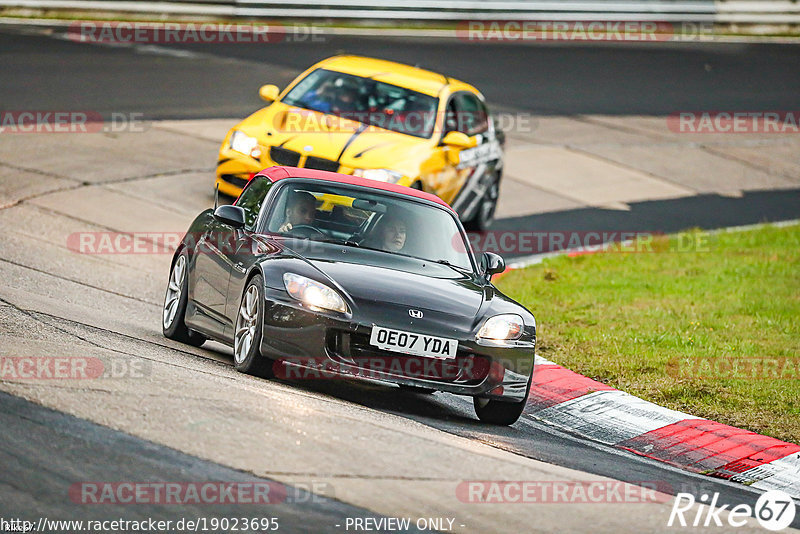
234,170
311,345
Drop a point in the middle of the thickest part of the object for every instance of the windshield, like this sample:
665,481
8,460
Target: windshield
366,101
367,219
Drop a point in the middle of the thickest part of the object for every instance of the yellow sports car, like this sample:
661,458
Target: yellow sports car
379,120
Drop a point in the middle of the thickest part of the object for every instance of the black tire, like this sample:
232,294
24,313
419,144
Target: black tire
247,356
484,216
174,310
497,412
417,389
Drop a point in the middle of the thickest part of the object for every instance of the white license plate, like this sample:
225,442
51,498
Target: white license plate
411,343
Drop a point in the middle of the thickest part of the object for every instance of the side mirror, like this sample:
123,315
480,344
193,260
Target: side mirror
459,139
269,92
230,215
492,264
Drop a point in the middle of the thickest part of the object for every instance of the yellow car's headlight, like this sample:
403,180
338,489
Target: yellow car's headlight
379,175
505,326
241,142
313,293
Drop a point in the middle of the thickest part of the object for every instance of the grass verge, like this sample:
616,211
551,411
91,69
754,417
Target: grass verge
714,332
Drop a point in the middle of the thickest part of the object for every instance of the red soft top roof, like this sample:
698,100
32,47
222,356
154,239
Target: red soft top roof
278,173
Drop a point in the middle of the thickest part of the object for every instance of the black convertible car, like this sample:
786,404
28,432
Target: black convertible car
317,274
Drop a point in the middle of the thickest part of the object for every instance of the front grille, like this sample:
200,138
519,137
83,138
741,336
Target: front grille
355,349
290,158
321,164
284,156
235,180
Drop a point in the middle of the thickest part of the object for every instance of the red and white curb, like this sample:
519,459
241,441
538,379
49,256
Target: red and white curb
595,411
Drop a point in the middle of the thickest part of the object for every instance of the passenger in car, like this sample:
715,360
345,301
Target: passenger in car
389,234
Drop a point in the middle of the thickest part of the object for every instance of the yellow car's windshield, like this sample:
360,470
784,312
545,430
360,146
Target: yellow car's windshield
366,101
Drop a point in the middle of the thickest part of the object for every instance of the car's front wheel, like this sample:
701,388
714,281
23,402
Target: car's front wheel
497,412
417,389
174,311
484,216
247,356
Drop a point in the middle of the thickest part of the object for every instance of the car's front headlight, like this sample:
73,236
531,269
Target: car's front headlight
313,293
241,142
506,326
379,175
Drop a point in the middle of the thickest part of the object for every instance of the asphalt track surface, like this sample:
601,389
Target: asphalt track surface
35,484
549,78
43,73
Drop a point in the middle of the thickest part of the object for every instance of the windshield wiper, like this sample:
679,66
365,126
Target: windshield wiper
452,266
335,241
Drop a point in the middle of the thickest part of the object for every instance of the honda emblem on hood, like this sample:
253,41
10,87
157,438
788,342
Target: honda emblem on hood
416,314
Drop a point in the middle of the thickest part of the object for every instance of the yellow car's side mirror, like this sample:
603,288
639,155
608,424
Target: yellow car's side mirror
269,92
459,140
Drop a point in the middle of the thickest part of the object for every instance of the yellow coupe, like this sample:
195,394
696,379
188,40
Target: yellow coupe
379,120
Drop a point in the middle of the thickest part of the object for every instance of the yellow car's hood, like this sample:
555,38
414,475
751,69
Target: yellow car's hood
352,143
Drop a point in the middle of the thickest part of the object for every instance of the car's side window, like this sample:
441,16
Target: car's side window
251,199
451,117
473,118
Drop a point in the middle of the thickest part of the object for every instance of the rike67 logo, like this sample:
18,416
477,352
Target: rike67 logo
774,510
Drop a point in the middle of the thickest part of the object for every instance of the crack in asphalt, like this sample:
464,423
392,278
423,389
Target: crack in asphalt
193,136
38,171
104,185
135,394
18,201
269,474
66,279
34,387
715,150
94,257
77,219
155,202
82,183
173,172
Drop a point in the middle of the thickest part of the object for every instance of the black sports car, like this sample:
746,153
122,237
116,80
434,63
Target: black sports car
313,274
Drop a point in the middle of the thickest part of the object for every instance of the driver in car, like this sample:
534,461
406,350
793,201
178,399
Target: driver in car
301,208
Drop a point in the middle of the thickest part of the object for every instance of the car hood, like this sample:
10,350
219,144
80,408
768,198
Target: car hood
351,143
381,288
447,299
